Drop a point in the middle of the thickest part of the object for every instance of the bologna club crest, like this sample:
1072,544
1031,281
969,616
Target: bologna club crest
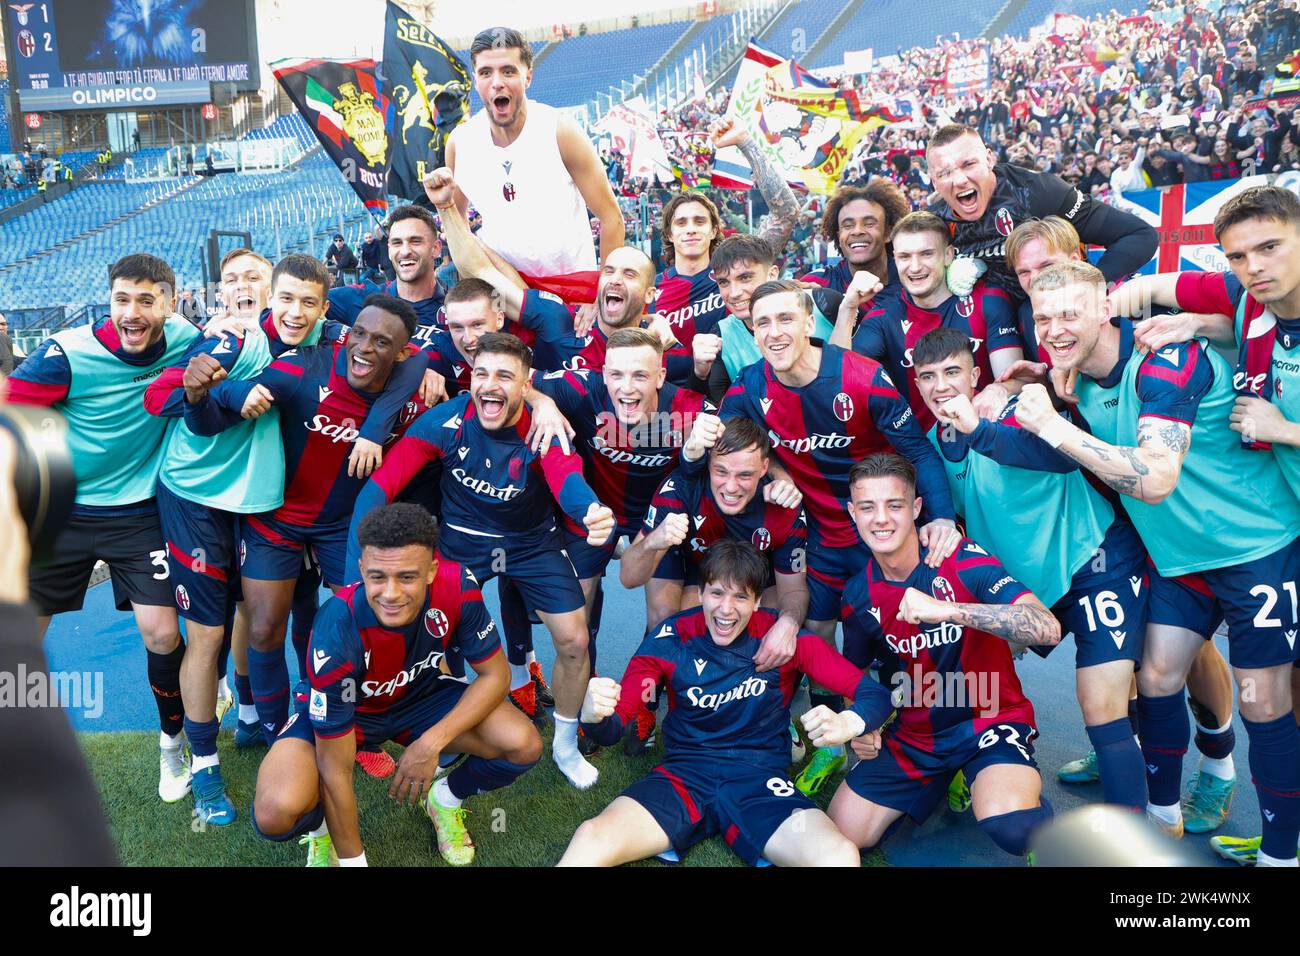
762,539
436,623
942,590
1003,221
182,597
843,406
966,306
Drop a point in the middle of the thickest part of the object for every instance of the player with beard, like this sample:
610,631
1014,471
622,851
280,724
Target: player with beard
1031,248
688,294
521,164
922,254
388,663
498,513
96,376
726,752
826,408
1255,308
321,392
1159,433
983,201
740,265
859,221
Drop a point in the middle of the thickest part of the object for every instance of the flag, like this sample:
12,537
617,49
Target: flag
631,130
427,87
969,70
341,101
1069,25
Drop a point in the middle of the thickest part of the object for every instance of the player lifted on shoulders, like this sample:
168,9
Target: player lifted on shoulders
726,747
387,662
948,628
1160,435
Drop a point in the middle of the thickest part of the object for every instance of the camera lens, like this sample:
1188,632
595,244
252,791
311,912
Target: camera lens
44,479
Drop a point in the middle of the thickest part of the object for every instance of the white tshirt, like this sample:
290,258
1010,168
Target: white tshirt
534,217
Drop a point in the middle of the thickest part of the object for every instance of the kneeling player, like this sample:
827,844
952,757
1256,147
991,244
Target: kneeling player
726,745
937,632
387,662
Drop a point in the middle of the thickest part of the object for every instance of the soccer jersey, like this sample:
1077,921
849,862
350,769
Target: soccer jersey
779,533
319,416
358,668
945,655
1230,505
890,334
692,304
837,275
821,429
346,303
718,704
624,465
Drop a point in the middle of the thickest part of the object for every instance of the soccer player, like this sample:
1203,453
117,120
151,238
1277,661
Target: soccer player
826,408
1255,308
725,745
984,201
522,163
890,332
95,376
322,392
859,221
1160,435
498,513
388,661
740,265
940,632
1076,552
1031,248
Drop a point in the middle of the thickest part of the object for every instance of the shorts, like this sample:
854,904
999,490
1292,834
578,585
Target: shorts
1256,599
535,561
906,778
588,560
136,552
829,570
270,550
692,800
402,724
1107,616
201,546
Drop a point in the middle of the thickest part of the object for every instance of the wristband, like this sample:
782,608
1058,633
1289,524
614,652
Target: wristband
1055,432
354,860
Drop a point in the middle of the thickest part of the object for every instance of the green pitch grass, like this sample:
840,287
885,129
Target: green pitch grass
526,824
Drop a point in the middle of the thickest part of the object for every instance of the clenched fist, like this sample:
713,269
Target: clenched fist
600,700
599,522
440,187
670,533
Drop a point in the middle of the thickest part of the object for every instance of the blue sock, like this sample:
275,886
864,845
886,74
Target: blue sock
304,824
1119,760
514,622
477,775
1013,831
300,639
1216,746
1165,730
268,675
203,736
1133,715
223,659
303,616
593,626
1275,770
243,690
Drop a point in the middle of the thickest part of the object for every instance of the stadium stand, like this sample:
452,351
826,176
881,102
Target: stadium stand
585,65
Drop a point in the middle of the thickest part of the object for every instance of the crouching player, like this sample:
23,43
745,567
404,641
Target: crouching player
387,662
725,737
937,632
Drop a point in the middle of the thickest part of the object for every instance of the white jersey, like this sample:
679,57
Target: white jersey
533,215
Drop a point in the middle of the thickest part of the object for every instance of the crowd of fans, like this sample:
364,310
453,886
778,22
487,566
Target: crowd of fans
1178,92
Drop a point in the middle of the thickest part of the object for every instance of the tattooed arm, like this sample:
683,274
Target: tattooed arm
1147,472
1026,621
770,183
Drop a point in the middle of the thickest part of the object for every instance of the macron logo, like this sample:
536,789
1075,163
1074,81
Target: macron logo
1118,637
462,452
665,631
699,666
1136,584
875,612
1290,638
766,403
320,659
453,422
1171,354
699,521
324,392
54,349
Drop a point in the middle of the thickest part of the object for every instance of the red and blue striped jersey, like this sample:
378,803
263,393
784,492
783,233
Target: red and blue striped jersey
718,704
821,429
944,658
987,315
320,417
692,304
358,666
345,304
837,275
623,465
779,533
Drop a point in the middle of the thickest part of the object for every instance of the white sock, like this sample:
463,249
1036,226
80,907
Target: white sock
519,676
320,831
530,657
1169,815
1223,768
564,750
198,763
443,796
247,714
1263,859
171,743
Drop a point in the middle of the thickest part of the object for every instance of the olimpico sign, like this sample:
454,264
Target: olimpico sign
126,95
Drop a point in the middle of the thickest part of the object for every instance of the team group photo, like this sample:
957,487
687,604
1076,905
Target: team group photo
738,433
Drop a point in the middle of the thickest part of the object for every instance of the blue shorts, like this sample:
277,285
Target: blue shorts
270,550
535,561
829,570
201,545
1106,614
906,778
588,560
1255,599
402,724
693,799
